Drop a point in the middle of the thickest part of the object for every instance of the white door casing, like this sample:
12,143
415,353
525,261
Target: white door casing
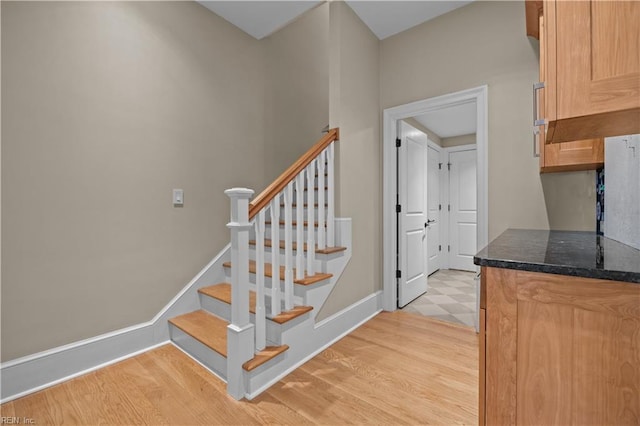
412,196
464,209
433,208
390,119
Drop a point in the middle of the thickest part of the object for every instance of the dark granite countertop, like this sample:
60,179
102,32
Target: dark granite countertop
579,254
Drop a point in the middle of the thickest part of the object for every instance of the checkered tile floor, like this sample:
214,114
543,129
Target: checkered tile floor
451,296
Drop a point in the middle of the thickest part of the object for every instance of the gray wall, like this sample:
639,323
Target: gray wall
106,107
297,89
355,109
485,43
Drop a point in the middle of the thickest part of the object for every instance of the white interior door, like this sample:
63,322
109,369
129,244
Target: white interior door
464,210
433,209
412,195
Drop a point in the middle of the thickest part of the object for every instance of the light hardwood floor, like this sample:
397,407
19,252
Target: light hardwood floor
398,368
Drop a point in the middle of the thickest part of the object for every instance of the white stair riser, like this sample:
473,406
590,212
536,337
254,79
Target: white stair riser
267,233
223,310
268,280
210,358
305,196
305,211
320,261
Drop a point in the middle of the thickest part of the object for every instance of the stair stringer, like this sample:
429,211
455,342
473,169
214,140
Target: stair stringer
308,338
317,294
188,299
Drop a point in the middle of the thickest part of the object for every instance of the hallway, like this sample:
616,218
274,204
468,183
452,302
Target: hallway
451,296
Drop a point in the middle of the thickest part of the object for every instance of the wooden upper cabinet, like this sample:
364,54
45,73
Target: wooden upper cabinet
568,156
592,76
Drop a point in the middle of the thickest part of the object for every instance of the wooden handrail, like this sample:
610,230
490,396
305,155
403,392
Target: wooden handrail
283,180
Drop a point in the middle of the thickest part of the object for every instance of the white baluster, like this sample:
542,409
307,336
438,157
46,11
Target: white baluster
330,198
261,326
311,244
240,333
320,183
300,225
288,248
275,256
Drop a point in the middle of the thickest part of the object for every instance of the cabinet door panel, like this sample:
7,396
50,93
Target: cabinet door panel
544,364
614,21
598,65
606,369
579,155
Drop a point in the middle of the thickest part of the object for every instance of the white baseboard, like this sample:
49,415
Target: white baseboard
35,372
76,373
32,373
324,334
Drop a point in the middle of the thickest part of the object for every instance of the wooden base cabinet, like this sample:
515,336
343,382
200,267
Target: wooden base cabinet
558,350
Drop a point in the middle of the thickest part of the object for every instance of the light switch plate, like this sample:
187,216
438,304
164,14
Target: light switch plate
178,197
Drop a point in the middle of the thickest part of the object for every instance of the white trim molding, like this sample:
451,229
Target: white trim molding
32,373
316,338
479,95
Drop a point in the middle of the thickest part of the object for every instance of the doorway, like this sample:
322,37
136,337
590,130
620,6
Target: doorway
391,219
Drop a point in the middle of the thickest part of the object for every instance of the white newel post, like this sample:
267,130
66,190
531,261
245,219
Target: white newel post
240,333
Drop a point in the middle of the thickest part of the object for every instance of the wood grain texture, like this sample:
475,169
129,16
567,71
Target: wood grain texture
265,355
306,280
205,328
371,376
578,350
533,10
614,298
501,341
606,369
573,156
616,123
482,366
598,66
544,364
265,197
550,66
326,250
222,292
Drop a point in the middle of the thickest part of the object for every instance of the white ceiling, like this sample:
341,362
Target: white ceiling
453,121
384,17
259,18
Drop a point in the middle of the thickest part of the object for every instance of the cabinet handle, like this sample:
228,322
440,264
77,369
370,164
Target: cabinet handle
537,122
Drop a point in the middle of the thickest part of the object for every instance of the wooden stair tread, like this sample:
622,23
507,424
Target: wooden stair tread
263,356
326,250
307,280
294,223
212,332
209,330
222,292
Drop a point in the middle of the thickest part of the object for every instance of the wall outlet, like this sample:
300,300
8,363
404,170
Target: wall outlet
178,197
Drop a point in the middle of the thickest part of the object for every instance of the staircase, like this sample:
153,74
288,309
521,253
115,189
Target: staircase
286,254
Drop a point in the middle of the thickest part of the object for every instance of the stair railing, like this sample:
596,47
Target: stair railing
302,177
